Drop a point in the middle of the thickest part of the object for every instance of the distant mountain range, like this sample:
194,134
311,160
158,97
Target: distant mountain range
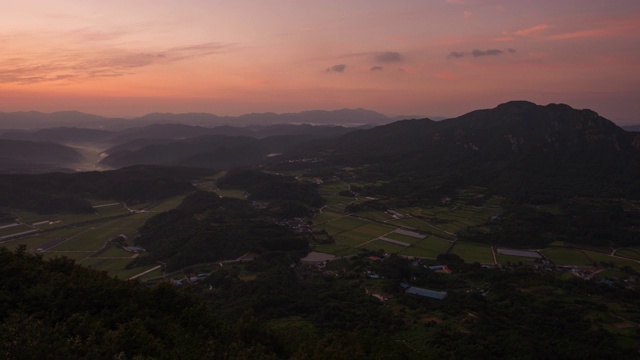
517,147
166,144
38,120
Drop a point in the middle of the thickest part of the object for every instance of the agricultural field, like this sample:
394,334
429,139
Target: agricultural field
430,247
384,245
8,231
337,249
567,256
326,216
437,225
471,252
83,237
511,259
231,193
629,254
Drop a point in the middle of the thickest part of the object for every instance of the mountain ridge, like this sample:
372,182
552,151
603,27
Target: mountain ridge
25,120
545,148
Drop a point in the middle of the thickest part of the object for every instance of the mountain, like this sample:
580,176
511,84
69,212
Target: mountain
30,156
214,151
61,135
517,147
318,117
38,120
175,131
182,131
634,128
347,117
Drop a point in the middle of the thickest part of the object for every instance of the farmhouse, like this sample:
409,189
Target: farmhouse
134,249
438,295
440,268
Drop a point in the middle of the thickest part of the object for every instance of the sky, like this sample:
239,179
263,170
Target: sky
406,57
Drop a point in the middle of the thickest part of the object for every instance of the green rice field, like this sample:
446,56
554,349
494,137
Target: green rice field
82,237
430,247
629,253
384,245
14,230
439,225
566,256
506,259
471,252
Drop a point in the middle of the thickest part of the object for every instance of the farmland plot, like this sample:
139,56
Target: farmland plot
471,252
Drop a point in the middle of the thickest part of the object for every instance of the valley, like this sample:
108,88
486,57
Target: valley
445,244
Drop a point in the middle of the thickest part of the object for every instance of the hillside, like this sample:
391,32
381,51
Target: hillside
213,151
58,192
517,148
61,135
31,156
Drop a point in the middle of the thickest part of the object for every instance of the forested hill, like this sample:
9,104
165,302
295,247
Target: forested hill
25,156
516,148
59,192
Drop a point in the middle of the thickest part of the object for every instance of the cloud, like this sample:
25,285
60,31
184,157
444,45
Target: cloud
532,31
78,65
376,68
389,57
337,68
480,53
489,52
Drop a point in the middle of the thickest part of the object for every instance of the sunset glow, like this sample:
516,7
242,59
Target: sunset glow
414,57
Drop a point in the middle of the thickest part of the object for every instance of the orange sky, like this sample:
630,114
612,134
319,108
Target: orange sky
420,57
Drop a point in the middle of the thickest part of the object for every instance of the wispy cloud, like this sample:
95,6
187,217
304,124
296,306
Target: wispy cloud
77,65
489,52
533,31
389,57
337,68
376,68
377,56
480,53
609,28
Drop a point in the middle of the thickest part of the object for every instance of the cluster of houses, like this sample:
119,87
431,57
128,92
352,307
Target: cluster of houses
193,279
315,263
299,225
